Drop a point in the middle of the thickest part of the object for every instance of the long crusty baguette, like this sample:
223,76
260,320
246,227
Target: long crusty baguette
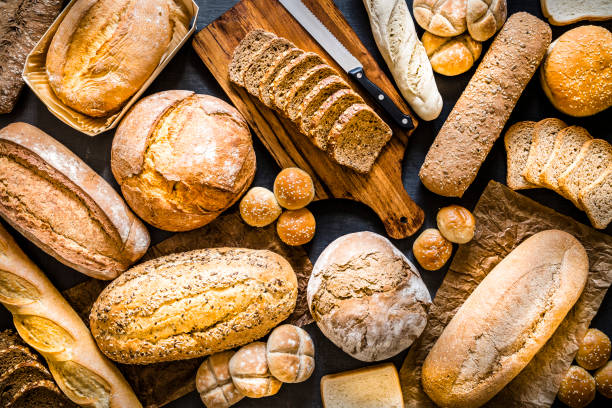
506,320
405,56
47,323
481,112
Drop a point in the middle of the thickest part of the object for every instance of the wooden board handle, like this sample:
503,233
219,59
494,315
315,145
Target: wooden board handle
401,216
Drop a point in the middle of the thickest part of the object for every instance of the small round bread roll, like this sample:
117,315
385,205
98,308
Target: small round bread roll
431,249
296,227
577,388
293,188
603,380
250,372
259,207
456,223
576,74
214,383
290,353
594,350
451,55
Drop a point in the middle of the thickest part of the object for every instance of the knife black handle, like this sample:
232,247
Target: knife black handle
382,99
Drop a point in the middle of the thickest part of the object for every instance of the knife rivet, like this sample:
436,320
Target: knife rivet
359,75
405,121
381,97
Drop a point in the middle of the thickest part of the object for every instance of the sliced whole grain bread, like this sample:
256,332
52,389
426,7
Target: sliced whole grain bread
262,61
243,54
316,97
14,355
544,135
568,143
357,138
322,120
518,141
281,62
25,372
302,87
42,397
281,86
596,199
594,159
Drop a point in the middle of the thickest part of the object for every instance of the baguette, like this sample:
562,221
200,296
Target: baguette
54,199
481,112
46,322
506,320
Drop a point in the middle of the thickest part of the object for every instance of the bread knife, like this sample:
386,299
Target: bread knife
345,59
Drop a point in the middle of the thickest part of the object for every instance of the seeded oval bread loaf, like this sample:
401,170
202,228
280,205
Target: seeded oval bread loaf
317,97
193,304
544,135
243,54
261,63
302,88
54,199
518,141
568,143
290,75
281,62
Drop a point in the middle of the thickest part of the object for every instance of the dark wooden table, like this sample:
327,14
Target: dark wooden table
334,218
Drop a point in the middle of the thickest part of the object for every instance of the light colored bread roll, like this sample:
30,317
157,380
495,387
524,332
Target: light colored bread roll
296,227
205,301
367,297
290,354
506,320
446,18
577,72
431,249
259,207
456,224
293,188
405,56
214,382
451,55
182,159
577,389
485,17
250,372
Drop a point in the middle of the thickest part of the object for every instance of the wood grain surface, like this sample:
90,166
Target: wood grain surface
382,188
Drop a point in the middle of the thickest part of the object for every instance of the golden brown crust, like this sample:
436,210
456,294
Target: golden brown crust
214,382
577,389
296,227
290,354
441,17
456,223
431,249
594,350
293,188
603,380
259,207
451,55
250,372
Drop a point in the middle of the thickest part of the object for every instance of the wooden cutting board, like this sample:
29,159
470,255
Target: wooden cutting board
381,189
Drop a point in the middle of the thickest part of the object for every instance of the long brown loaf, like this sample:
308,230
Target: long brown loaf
53,198
46,322
485,105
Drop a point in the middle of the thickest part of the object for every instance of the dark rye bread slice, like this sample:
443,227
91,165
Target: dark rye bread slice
303,86
327,114
357,138
281,62
243,54
14,355
23,373
518,139
596,199
289,75
40,393
316,98
261,63
544,135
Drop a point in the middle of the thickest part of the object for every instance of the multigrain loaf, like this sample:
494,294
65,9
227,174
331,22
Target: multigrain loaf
518,141
193,304
506,320
315,99
281,62
262,61
594,159
302,88
243,54
357,138
104,51
485,17
55,200
480,114
544,135
293,72
182,158
596,199
568,143
322,120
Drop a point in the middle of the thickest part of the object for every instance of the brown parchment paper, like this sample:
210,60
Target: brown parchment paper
158,384
503,220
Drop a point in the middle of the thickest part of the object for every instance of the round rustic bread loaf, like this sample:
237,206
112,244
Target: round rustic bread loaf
214,382
367,297
182,158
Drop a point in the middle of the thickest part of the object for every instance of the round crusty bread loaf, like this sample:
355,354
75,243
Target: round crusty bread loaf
577,72
182,158
367,297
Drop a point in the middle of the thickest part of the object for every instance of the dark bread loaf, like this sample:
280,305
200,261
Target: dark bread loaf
303,87
292,73
243,54
322,120
262,61
278,65
313,101
481,112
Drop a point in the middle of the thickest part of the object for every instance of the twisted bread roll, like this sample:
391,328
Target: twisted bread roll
46,322
405,56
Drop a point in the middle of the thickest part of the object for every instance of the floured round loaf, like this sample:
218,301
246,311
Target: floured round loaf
367,297
193,304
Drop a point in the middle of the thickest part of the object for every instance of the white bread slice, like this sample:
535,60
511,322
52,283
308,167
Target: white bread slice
544,135
594,159
563,12
596,199
518,144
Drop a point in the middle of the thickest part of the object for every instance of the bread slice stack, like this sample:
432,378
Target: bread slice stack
565,159
310,93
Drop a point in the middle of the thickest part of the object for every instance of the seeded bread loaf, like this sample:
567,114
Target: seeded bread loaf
596,199
281,62
313,101
244,53
193,304
56,201
292,73
301,90
262,61
518,140
322,120
544,135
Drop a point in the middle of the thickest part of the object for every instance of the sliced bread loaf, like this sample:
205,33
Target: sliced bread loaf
357,137
322,120
262,61
563,12
316,97
245,51
544,135
289,75
596,199
40,396
303,86
281,62
22,373
518,141
594,158
568,143
14,355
